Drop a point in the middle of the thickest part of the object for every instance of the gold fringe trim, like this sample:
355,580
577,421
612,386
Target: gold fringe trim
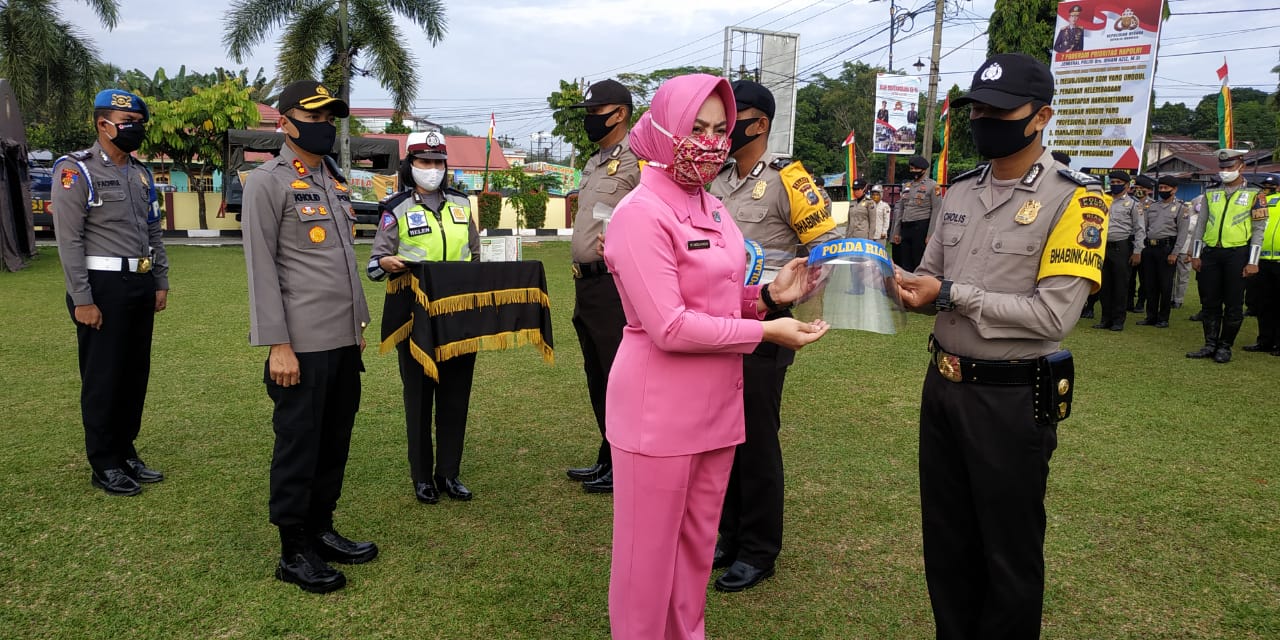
423,359
396,337
468,301
498,342
408,281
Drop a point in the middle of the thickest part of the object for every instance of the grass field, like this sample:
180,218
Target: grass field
1164,518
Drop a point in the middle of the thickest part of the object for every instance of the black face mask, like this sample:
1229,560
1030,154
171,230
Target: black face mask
129,136
1165,195
595,125
1117,189
314,137
917,173
738,138
995,138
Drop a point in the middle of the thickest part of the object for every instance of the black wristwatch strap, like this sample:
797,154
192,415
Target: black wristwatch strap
944,302
768,300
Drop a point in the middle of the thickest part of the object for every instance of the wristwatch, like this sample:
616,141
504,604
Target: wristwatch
768,300
944,302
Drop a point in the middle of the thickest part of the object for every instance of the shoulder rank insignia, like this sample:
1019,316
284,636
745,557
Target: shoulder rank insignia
341,186
1082,179
300,168
1027,214
758,169
612,167
781,163
298,184
937,190
757,191
81,155
1032,174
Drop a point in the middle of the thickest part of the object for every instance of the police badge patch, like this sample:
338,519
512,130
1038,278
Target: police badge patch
69,177
1028,213
1090,236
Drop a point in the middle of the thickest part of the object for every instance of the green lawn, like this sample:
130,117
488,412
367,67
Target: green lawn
1163,509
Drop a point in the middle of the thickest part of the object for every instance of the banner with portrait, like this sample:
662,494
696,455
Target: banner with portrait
1104,65
897,114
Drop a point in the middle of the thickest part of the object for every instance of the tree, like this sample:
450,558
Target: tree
454,131
53,69
1022,26
643,85
527,194
335,34
569,121
191,132
1173,118
827,109
396,126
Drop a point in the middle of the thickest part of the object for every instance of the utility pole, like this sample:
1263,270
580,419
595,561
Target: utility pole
932,113
893,29
344,91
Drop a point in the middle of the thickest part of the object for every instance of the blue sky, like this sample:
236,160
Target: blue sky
506,56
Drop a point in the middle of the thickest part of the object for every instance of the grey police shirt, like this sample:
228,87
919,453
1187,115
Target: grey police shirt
761,205
304,287
116,228
609,175
1125,222
920,200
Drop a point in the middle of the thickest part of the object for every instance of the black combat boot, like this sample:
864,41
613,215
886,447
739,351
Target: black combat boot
1230,329
301,565
1210,340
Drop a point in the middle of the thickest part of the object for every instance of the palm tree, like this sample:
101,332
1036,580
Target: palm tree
337,36
52,66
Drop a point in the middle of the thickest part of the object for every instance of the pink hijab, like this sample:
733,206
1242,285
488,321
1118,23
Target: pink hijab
674,107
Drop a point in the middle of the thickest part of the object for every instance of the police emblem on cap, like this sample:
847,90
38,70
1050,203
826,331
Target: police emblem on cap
992,72
433,138
587,96
321,90
122,101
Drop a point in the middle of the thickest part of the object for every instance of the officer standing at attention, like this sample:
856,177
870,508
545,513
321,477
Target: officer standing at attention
428,223
117,278
1226,247
1268,278
307,304
1182,268
1017,249
862,212
1252,286
1144,192
598,320
1167,229
883,213
1127,233
776,205
914,214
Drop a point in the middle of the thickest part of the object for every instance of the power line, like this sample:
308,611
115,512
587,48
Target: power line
1205,13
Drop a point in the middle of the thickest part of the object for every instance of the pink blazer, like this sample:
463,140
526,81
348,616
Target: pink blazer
678,260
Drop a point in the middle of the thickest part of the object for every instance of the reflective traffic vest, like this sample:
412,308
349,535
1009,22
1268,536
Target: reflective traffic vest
1230,222
423,238
1271,237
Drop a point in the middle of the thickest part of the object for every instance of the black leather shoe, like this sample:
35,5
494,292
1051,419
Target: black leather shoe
116,482
1087,314
1258,348
1276,352
1117,327
1163,324
722,558
333,547
1145,323
453,488
1197,317
586,474
1206,351
741,576
310,572
1102,325
138,470
1222,355
426,493
604,484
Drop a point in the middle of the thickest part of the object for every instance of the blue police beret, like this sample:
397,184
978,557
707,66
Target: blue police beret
121,100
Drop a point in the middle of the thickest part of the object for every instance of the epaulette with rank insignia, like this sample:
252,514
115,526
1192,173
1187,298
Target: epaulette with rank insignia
455,192
781,163
81,155
970,174
1082,179
390,202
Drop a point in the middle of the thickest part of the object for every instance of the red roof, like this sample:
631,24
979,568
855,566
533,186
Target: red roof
465,152
268,115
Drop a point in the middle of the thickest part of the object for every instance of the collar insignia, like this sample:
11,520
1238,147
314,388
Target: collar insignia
300,168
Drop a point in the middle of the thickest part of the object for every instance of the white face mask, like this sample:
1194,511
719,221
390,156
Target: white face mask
1228,176
428,179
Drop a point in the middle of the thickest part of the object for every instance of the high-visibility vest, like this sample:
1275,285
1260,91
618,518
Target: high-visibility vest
1230,217
423,238
1271,237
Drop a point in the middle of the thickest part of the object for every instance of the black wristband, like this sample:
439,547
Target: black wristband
768,300
944,302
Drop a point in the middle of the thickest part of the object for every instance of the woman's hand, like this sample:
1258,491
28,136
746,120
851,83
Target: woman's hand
792,333
391,264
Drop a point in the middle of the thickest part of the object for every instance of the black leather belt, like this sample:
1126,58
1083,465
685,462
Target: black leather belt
590,269
1005,372
1160,242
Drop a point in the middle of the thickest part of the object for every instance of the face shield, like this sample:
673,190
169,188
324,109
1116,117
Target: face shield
856,288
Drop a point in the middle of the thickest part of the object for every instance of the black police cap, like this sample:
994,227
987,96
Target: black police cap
1168,180
859,184
605,92
1119,174
753,95
1008,81
1145,182
312,96
918,162
1270,181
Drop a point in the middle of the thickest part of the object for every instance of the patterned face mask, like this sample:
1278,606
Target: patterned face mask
697,158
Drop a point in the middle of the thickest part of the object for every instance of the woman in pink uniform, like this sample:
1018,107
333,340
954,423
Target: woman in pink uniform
674,405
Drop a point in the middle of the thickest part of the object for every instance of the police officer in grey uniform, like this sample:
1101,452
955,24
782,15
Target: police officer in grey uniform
1126,235
1167,220
760,198
1226,247
862,212
1017,248
427,222
609,175
1144,188
913,217
307,304
117,276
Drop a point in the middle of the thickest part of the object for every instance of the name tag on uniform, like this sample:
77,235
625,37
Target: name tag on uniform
699,244
417,223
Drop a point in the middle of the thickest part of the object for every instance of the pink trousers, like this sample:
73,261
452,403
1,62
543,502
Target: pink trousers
665,515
